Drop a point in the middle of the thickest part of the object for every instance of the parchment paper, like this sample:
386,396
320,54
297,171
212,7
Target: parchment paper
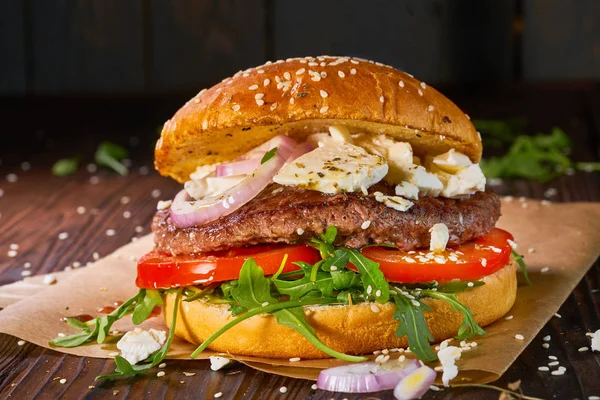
565,238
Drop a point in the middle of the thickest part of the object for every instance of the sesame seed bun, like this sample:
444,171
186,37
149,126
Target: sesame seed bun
301,96
356,329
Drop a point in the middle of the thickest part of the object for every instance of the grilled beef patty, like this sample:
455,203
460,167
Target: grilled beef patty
284,214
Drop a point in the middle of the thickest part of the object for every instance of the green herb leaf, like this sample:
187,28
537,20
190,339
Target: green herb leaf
371,276
77,324
588,166
458,286
253,288
325,242
412,323
110,155
345,280
151,299
519,259
65,167
268,155
299,287
339,258
468,328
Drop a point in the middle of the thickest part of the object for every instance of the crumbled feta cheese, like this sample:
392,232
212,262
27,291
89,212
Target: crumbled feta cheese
339,133
216,363
447,356
439,238
428,183
399,155
163,204
334,168
407,190
466,182
395,202
596,341
138,344
452,161
211,186
203,171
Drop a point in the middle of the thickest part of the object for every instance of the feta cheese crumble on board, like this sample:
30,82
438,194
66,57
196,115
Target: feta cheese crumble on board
138,344
334,167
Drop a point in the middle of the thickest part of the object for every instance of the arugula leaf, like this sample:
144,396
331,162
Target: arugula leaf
339,258
151,299
458,286
101,325
299,287
371,276
253,288
65,167
468,328
345,280
519,260
110,155
268,155
412,323
325,242
125,368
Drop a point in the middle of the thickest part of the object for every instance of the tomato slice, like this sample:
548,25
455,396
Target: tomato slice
470,261
162,271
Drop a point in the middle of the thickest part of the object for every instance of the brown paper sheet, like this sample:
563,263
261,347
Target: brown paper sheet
566,239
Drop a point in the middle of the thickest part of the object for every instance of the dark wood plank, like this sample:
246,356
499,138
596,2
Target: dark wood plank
12,48
37,207
85,46
444,41
560,39
197,43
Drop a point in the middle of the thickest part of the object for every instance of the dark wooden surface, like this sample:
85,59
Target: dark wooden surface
39,206
66,47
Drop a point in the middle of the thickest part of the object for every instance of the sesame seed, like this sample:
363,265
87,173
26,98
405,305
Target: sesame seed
287,75
366,224
80,210
545,269
12,178
292,101
253,87
430,108
189,373
26,273
300,71
313,64
582,349
294,359
125,200
323,74
354,61
282,389
369,289
423,85
266,303
381,99
483,262
162,365
553,363
546,345
543,368
14,246
261,71
341,74
439,368
63,235
12,253
519,337
111,232
420,92
260,102
552,358
300,231
415,303
314,386
374,308
353,71
218,394
323,94
236,107
27,265
324,109
557,315
62,381
546,338
531,250
245,75
259,96
155,193
160,373
21,343
470,284
127,214
273,106
94,180
266,82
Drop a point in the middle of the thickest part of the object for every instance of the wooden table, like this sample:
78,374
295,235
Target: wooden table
36,208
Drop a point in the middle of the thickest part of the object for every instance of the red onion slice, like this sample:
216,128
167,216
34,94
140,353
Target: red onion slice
244,167
191,213
365,377
415,384
300,151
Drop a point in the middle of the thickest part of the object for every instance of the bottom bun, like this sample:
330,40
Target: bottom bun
356,329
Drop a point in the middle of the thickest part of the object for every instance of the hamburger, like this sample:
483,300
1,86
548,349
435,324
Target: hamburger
331,207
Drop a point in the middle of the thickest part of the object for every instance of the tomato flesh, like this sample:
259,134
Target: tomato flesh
470,261
158,270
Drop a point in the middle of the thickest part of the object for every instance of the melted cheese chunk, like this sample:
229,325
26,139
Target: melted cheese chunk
211,186
334,168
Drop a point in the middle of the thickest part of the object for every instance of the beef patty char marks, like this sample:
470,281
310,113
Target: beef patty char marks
284,214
